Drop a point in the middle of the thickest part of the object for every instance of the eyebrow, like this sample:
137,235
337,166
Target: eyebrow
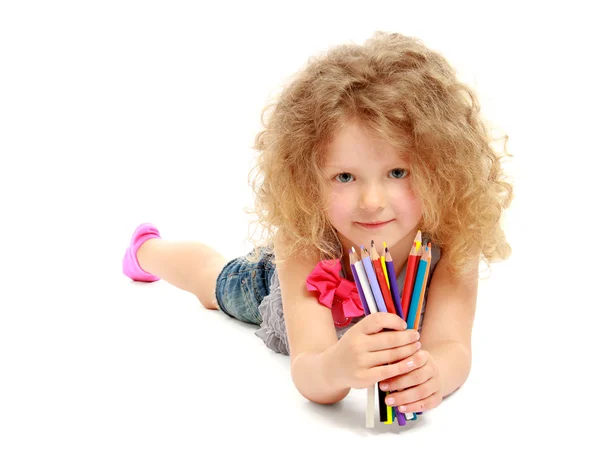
401,163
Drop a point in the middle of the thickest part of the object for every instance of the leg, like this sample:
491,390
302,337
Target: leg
191,266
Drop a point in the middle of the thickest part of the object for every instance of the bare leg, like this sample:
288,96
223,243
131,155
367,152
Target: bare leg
191,266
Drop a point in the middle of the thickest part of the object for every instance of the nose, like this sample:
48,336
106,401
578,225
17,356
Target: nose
372,198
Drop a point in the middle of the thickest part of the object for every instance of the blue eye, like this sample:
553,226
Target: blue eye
346,176
400,172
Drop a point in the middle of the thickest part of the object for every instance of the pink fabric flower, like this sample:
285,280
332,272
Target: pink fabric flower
336,293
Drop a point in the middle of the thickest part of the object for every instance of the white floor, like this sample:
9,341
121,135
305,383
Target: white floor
99,367
127,113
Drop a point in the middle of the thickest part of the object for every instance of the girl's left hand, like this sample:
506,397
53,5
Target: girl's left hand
417,389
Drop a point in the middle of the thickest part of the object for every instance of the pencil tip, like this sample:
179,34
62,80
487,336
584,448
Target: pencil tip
372,242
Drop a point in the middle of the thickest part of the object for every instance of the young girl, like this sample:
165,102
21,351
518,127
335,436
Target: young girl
371,142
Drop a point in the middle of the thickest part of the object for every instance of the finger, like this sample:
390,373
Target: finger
411,379
391,339
392,355
376,322
426,403
386,371
414,394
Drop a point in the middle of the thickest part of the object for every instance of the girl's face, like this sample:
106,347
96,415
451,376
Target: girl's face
370,195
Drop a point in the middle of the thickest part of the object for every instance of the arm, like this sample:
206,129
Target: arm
454,362
310,373
310,330
448,323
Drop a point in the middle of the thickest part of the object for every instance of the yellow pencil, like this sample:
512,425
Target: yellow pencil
418,240
389,410
383,265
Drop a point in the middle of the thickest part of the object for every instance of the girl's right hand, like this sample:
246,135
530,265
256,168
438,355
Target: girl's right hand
367,354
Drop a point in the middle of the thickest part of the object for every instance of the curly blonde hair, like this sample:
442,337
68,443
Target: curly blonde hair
406,94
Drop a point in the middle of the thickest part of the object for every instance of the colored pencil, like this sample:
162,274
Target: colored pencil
368,264
409,288
409,279
375,273
383,265
424,288
416,295
384,409
364,282
377,286
361,293
389,263
418,239
360,281
419,247
398,307
376,260
427,258
385,291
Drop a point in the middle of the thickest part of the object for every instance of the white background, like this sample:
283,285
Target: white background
116,113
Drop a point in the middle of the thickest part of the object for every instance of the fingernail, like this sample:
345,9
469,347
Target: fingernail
410,363
402,408
384,386
389,401
418,344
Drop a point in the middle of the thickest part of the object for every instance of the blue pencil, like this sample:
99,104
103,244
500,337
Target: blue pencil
416,295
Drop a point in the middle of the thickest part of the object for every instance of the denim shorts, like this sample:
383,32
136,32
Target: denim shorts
242,285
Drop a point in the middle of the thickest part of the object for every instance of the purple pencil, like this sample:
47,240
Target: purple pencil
389,264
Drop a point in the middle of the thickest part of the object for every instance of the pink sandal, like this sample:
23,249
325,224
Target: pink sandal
131,266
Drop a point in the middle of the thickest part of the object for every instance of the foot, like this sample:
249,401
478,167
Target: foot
131,266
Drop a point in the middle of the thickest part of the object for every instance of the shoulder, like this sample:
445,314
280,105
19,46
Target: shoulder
451,303
309,324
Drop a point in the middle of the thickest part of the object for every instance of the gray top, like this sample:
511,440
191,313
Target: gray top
272,329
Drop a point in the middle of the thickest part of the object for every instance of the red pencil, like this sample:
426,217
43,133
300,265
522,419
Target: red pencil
409,278
387,295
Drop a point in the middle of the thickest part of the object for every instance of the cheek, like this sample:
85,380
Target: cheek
336,212
407,204
340,207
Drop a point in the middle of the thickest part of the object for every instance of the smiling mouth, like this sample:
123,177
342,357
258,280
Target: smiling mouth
374,223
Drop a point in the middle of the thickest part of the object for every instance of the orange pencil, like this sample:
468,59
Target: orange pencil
427,256
385,290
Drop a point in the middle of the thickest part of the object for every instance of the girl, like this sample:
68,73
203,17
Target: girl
368,142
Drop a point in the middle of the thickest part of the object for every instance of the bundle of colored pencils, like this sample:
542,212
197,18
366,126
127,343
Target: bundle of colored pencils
375,279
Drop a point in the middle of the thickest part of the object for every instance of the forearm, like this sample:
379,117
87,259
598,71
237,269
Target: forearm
454,362
312,377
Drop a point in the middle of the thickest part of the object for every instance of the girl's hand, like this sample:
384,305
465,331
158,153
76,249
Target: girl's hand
418,386
366,353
